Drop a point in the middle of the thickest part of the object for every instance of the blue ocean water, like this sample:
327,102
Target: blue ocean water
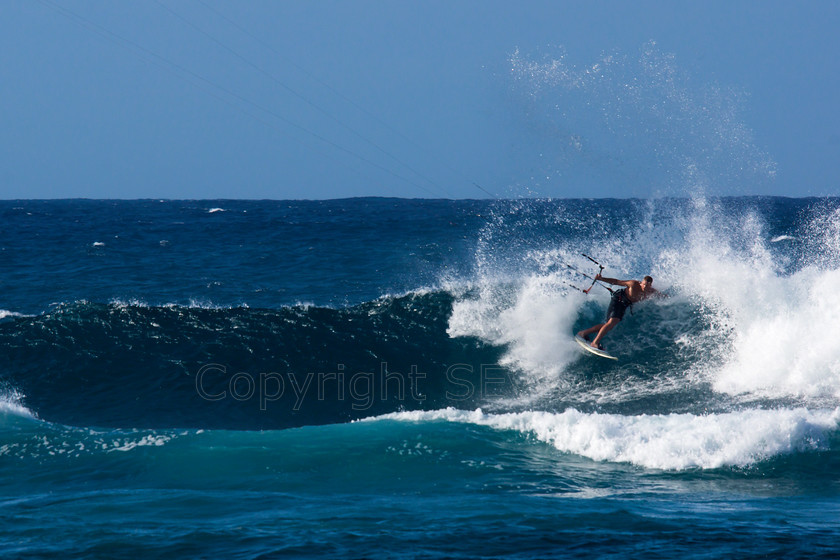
385,378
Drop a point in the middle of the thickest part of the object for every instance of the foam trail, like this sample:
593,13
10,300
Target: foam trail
669,442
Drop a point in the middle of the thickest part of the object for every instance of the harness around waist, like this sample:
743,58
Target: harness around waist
621,295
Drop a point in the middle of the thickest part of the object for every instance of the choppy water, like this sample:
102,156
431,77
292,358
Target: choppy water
387,378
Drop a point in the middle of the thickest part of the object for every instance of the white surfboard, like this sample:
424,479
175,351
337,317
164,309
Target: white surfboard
601,353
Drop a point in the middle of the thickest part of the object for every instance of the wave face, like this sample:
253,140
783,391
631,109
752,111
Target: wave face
487,323
90,364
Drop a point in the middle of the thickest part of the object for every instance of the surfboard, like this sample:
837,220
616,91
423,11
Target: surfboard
601,353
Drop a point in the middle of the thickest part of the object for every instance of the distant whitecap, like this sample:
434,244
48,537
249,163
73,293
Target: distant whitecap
6,313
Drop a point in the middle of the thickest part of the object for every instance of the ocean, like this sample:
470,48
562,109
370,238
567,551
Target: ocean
393,378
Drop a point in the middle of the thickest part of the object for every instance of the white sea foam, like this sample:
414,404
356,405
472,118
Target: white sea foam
532,319
6,313
787,343
669,442
127,444
774,333
191,304
128,303
54,440
10,404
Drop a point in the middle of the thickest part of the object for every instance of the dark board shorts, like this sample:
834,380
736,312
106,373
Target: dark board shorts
618,305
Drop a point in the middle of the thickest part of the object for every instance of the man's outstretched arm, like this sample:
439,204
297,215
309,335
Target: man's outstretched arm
615,281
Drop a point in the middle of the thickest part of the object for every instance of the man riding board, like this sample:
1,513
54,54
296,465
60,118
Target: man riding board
633,292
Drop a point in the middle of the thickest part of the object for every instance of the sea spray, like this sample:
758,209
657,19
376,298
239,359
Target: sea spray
632,119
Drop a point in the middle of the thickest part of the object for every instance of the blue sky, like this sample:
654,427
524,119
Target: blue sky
327,99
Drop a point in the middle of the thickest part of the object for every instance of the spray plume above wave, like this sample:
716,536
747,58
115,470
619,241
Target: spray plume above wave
636,120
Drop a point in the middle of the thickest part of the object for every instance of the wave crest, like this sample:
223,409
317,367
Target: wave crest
664,441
